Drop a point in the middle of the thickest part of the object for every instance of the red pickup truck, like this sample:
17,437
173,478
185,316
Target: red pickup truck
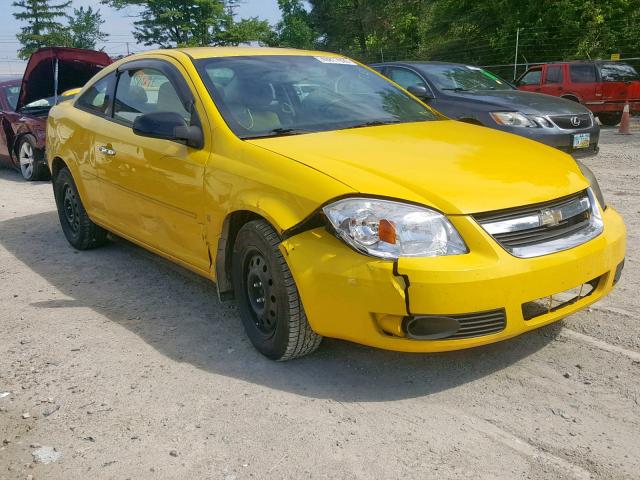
603,87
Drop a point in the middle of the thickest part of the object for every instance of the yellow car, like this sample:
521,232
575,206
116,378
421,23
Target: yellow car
330,202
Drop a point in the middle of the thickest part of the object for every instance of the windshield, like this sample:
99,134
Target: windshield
618,72
11,94
464,78
262,96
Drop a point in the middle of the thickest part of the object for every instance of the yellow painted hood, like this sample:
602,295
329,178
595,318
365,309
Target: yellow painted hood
454,167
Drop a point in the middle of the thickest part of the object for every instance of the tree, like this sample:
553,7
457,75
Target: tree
85,28
171,23
295,30
43,28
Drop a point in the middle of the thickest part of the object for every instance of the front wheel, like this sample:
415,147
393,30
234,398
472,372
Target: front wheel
31,160
80,231
610,119
270,306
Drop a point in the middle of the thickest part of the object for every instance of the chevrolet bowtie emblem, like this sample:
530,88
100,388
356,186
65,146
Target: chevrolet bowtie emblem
550,218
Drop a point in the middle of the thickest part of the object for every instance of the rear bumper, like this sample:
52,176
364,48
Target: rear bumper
350,296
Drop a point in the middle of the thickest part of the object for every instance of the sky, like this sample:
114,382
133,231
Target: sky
119,25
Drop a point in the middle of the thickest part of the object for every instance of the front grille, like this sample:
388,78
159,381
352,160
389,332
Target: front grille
479,324
558,224
572,122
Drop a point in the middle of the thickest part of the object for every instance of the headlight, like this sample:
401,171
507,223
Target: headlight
388,229
512,119
589,175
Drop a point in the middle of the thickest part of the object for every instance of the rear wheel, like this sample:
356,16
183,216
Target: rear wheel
270,306
80,231
31,160
610,119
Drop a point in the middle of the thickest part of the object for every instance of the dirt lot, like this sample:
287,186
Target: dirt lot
129,367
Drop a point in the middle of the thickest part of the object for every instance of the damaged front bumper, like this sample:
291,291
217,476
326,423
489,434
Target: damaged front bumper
354,297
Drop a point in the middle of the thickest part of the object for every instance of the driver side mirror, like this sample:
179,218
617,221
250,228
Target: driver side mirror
420,91
168,126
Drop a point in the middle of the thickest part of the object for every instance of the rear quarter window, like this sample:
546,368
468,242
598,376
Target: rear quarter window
96,98
618,72
582,73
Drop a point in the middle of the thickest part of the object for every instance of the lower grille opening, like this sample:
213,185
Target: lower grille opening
552,303
450,327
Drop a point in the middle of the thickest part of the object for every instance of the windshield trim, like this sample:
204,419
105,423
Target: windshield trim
200,63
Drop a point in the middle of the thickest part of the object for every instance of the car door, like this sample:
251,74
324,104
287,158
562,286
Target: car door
531,80
94,105
583,82
155,185
553,80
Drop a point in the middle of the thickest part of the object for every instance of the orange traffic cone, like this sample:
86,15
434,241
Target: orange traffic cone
625,122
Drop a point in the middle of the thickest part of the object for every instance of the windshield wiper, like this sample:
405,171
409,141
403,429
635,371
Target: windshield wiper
373,123
457,89
279,132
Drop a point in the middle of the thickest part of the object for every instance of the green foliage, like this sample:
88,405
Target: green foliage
471,31
171,23
43,27
45,30
85,28
295,29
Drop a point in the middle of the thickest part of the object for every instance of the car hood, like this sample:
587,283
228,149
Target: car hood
526,102
75,67
454,167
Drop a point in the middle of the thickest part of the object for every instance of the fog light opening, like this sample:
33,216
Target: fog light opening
430,328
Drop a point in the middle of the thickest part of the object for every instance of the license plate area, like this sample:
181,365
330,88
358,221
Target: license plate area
581,140
544,305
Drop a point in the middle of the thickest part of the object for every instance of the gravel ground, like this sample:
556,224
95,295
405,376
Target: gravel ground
117,364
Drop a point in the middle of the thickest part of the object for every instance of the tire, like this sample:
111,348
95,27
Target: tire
610,119
80,231
31,160
269,303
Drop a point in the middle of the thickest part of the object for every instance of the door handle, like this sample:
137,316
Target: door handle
106,150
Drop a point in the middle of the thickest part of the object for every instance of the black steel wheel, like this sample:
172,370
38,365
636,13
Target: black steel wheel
78,228
269,303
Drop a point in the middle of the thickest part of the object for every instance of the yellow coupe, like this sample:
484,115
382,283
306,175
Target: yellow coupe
330,202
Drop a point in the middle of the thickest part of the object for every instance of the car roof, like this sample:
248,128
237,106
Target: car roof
211,52
573,62
419,63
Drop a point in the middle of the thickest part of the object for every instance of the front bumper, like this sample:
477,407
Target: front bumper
348,295
560,138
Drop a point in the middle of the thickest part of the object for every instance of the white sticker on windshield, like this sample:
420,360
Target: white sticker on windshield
336,60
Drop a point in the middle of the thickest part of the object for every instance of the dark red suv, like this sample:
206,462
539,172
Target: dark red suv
603,87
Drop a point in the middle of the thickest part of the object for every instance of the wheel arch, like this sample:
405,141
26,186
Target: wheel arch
571,96
231,225
57,164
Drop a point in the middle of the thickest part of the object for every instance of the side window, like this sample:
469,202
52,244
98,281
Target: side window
405,78
146,90
532,77
554,74
582,73
96,98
